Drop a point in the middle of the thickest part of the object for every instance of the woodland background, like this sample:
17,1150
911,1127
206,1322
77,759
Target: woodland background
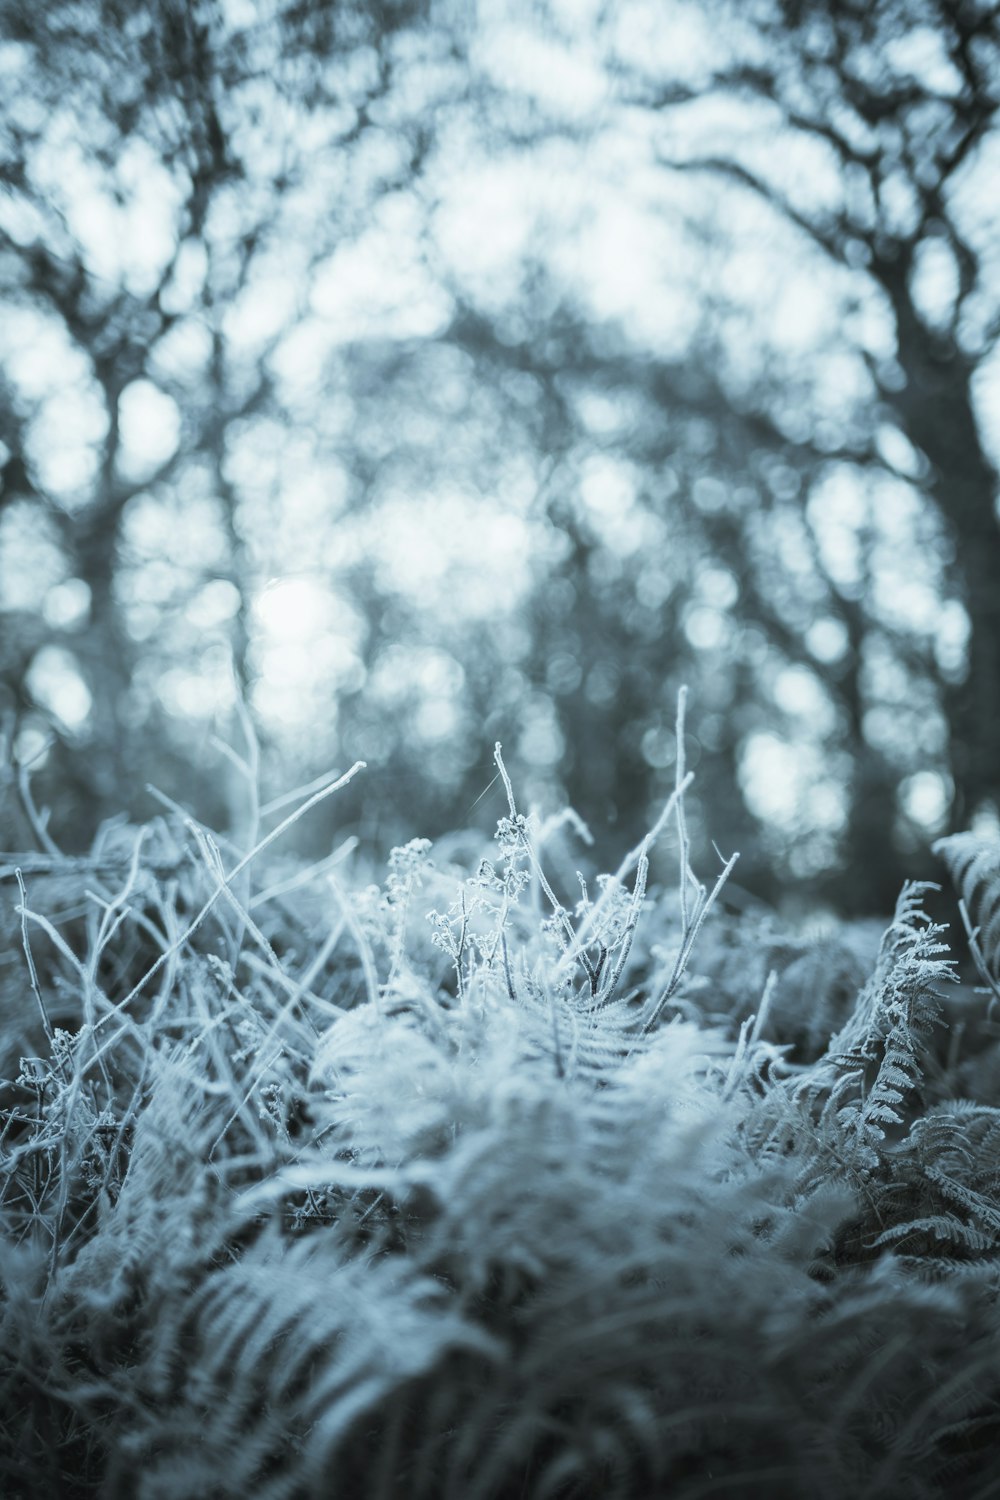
426,373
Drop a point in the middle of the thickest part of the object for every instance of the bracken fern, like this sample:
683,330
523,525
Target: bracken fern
477,1184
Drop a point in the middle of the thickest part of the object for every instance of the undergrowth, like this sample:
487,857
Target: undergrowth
487,1183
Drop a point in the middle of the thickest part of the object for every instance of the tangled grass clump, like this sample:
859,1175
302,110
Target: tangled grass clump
464,1187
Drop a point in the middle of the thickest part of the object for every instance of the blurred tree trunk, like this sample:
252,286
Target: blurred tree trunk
902,97
937,412
104,650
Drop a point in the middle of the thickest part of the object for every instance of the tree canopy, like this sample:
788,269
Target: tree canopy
425,376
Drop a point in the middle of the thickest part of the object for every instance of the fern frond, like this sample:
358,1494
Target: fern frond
278,1362
974,865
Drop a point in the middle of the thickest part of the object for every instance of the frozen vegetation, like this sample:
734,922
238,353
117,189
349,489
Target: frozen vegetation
488,1181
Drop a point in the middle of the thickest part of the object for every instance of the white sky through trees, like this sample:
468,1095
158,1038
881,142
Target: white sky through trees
542,176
